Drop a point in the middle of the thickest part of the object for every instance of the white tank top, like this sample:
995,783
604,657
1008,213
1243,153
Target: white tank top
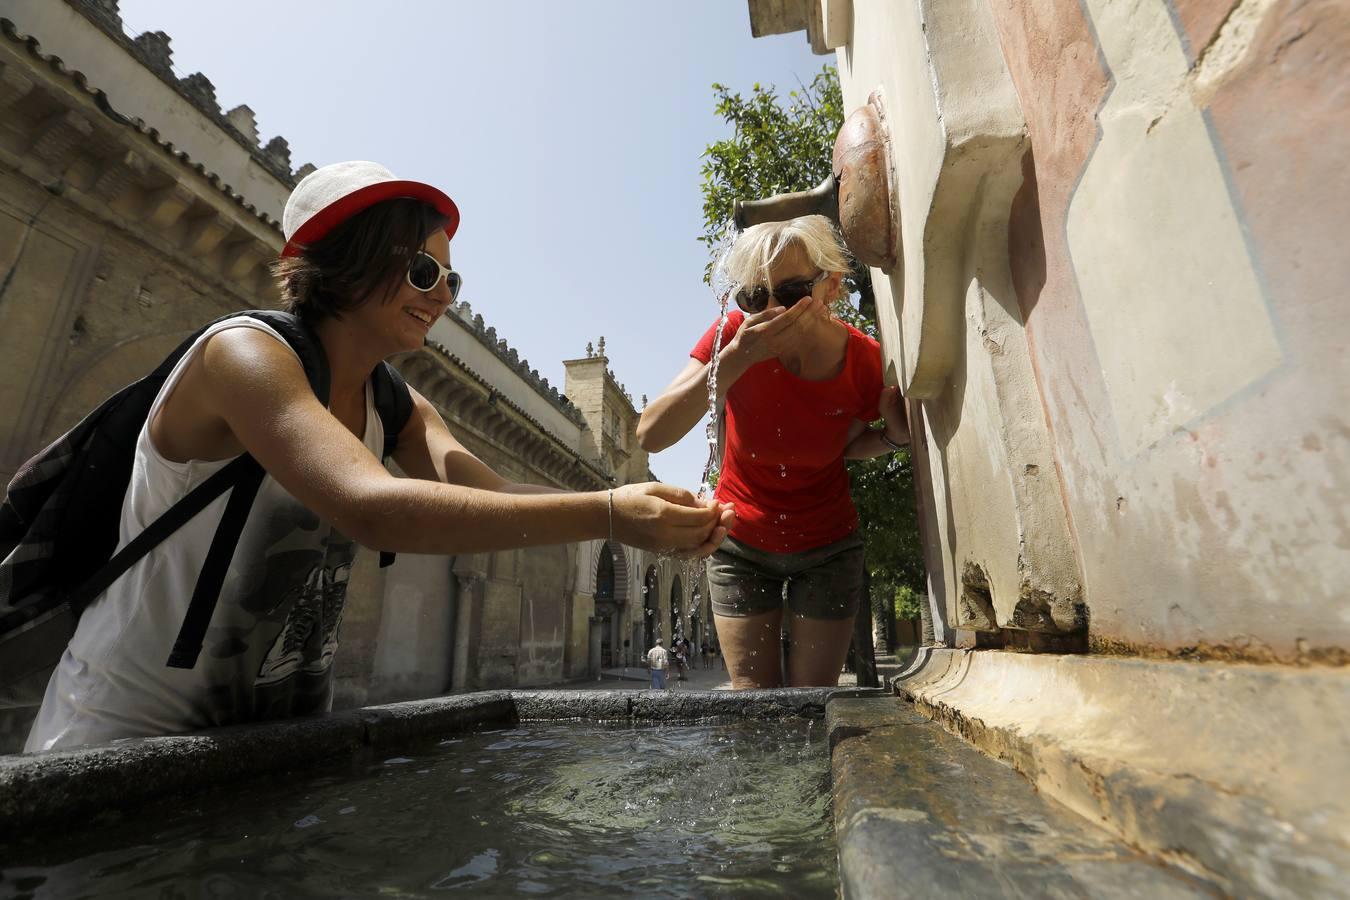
269,650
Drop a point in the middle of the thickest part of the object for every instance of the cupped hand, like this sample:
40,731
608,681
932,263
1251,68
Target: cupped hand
660,517
772,332
726,521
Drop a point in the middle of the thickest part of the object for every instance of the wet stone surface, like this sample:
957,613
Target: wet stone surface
920,813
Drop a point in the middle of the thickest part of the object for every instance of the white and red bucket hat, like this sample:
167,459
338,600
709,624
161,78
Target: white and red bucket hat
327,197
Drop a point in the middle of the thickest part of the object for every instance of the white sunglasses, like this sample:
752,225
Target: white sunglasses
425,272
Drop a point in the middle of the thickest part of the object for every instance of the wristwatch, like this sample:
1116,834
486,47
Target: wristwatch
886,439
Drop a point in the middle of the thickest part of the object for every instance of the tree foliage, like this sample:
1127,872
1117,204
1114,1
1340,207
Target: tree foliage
787,144
778,146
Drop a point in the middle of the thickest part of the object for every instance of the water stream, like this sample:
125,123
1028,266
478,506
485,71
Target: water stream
722,289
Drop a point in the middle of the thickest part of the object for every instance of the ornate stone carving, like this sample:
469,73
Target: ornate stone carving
60,135
166,205
155,52
279,151
119,174
204,233
244,121
199,89
104,10
14,86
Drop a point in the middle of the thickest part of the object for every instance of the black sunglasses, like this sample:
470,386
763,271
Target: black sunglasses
787,294
425,271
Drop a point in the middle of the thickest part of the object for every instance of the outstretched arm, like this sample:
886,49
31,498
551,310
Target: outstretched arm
258,390
427,450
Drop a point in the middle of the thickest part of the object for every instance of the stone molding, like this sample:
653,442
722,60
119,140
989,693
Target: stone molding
152,50
118,170
487,336
466,398
13,90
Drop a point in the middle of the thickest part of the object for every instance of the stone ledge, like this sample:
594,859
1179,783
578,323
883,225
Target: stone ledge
1235,772
919,813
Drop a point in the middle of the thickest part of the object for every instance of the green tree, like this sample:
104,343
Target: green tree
787,144
778,146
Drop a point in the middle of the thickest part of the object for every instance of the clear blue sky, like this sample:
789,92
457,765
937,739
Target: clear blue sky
569,134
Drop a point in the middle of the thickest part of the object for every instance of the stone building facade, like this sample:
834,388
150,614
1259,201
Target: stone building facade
1118,316
133,209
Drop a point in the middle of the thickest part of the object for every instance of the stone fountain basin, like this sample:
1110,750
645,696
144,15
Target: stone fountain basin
917,811
56,789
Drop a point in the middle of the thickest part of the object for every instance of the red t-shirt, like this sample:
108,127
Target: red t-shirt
784,460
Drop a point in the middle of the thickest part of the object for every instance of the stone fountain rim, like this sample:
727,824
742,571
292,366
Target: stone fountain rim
90,785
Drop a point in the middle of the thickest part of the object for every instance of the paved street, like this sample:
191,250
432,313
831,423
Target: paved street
638,678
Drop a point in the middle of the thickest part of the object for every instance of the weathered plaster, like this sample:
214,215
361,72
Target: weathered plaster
1167,311
1225,536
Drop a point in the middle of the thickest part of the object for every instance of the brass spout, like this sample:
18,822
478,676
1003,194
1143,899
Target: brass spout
859,196
822,200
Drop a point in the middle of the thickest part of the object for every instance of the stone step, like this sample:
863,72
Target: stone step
920,813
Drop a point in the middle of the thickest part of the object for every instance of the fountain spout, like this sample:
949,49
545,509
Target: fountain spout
859,195
823,200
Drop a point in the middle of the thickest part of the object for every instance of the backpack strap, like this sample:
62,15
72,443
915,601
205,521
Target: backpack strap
245,482
188,646
173,518
393,401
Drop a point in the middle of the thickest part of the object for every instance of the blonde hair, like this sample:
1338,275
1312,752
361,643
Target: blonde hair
760,246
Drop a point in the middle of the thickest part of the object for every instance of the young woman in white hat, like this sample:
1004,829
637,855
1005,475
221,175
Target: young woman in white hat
367,267
800,387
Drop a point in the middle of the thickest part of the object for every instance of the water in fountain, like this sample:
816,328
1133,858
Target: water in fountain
552,808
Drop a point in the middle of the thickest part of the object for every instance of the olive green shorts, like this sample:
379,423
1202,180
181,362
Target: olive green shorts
820,583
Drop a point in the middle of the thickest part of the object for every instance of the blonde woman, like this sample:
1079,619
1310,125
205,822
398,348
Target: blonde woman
800,387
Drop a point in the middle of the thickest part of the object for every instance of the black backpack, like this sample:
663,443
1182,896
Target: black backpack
61,515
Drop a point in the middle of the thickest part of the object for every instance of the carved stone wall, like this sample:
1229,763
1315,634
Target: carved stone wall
1118,312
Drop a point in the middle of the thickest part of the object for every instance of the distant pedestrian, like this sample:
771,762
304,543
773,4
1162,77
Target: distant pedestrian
658,660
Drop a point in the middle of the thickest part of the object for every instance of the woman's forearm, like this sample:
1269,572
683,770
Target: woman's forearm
521,488
670,416
869,445
405,515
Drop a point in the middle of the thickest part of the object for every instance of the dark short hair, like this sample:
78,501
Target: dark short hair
361,259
